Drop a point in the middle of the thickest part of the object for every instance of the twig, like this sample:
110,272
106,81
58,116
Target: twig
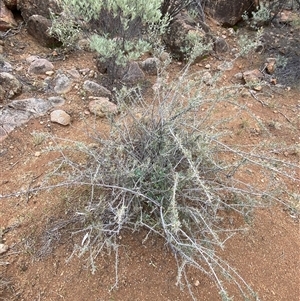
285,117
254,96
28,189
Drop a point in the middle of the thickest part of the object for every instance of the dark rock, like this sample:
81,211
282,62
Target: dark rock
11,4
229,12
56,101
220,45
29,8
38,27
134,74
96,89
176,39
150,65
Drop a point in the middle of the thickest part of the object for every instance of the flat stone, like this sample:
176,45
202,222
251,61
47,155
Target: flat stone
96,89
60,117
74,73
40,66
56,101
18,112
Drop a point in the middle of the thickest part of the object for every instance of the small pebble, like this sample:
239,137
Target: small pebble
3,248
37,154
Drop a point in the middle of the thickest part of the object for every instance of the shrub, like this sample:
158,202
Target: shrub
119,27
166,168
262,16
67,32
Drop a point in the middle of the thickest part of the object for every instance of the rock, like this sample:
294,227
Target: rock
134,74
37,154
32,58
84,44
84,71
33,106
286,16
207,78
11,4
56,101
257,87
74,73
38,27
252,77
62,84
271,65
96,89
238,76
29,8
176,37
3,134
7,20
49,73
165,56
229,12
150,66
101,106
5,66
220,45
9,86
3,248
60,117
40,66
226,66
197,283
19,112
